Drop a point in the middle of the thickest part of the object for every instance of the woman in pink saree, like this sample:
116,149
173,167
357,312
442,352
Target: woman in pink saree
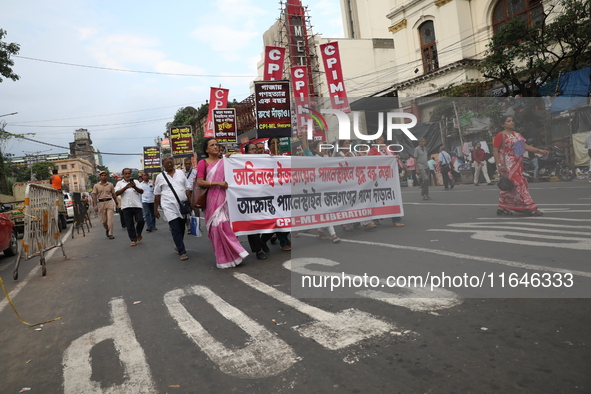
210,174
508,148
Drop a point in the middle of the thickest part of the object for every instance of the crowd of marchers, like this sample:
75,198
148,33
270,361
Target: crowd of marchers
141,202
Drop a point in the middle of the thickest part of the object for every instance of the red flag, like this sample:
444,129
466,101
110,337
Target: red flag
274,59
218,98
334,76
301,93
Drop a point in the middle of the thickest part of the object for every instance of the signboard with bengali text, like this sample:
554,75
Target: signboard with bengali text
181,141
275,193
224,125
273,109
151,159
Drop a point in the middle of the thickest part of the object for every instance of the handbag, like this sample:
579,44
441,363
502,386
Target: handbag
185,206
199,195
201,200
505,183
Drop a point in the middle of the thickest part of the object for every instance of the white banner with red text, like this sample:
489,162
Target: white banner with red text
279,193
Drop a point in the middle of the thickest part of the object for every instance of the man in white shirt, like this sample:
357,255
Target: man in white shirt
190,172
148,202
165,197
131,205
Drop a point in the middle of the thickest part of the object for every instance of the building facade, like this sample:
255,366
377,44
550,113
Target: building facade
75,173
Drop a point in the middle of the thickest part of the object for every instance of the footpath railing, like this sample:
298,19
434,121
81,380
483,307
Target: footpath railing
42,230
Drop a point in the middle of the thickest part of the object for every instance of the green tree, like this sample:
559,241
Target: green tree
528,57
189,116
42,170
6,50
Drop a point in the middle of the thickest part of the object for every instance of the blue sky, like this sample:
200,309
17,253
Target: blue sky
220,41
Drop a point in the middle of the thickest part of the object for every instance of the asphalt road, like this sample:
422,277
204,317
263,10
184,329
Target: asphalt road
139,320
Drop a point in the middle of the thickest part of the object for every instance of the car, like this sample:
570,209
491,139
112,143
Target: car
8,242
69,205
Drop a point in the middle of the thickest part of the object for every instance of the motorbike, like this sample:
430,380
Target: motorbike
550,166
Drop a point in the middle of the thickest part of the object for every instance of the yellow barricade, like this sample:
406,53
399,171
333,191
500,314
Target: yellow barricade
42,205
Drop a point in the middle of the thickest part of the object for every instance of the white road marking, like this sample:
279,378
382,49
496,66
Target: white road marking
413,298
530,233
545,218
520,226
332,330
32,273
263,356
482,259
490,205
78,365
505,236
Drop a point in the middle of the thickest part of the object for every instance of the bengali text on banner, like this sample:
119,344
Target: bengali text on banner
280,193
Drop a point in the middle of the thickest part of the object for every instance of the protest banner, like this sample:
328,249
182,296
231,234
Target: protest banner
151,159
218,98
334,76
224,125
181,141
274,59
273,109
269,194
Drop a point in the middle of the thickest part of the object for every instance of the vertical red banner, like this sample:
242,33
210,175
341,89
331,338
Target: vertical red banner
218,98
334,76
301,93
274,59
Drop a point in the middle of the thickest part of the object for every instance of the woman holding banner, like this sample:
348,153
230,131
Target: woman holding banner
210,174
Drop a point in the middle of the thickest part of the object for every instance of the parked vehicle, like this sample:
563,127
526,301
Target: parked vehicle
69,203
8,242
550,166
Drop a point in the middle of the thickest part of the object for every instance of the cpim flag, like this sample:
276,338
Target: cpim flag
218,98
274,59
334,76
301,96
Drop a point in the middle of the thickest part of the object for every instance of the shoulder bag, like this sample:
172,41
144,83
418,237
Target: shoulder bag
199,194
505,183
185,206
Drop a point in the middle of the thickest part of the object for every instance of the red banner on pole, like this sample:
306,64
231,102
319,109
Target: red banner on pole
301,94
218,98
274,59
334,76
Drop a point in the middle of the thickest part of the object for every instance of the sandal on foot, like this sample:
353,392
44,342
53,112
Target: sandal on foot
369,226
504,212
398,224
184,257
321,235
535,212
335,239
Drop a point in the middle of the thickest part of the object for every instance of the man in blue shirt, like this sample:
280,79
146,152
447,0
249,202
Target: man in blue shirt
445,165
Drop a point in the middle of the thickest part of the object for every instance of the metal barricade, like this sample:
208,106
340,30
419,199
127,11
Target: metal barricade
42,232
81,217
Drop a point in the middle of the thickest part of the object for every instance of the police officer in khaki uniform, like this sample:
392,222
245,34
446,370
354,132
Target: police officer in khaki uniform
104,202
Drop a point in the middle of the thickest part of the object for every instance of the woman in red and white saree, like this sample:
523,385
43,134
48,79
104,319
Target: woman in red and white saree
508,148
